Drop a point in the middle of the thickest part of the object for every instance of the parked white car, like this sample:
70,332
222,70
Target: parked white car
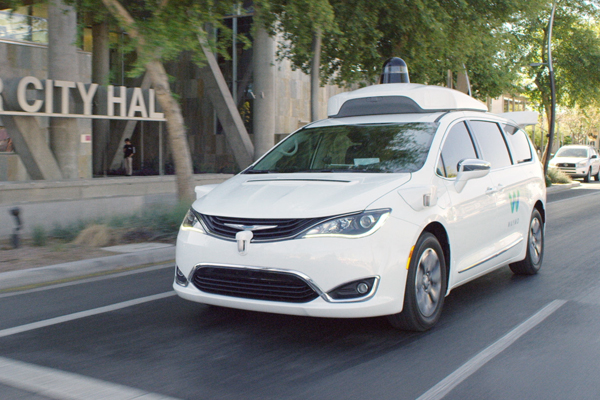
578,161
405,192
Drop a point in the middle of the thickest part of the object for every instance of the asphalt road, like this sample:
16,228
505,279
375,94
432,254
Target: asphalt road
500,337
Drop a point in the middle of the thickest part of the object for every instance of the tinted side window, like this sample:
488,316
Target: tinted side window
521,150
492,144
457,147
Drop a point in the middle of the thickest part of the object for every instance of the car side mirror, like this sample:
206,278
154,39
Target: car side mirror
470,169
594,156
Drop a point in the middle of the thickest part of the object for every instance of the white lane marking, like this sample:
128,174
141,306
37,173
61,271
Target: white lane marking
470,367
88,280
62,385
83,314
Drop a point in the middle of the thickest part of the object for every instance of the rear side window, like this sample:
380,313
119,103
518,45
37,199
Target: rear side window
457,147
521,150
492,144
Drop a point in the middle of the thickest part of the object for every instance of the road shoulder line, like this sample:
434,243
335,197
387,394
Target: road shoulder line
446,385
83,314
63,385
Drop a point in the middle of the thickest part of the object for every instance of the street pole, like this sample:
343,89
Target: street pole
552,91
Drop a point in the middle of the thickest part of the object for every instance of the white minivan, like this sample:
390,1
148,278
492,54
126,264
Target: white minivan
405,192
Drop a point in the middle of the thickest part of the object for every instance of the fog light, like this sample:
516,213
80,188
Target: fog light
353,290
180,279
362,288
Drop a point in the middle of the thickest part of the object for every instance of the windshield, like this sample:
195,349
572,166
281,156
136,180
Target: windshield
572,152
351,148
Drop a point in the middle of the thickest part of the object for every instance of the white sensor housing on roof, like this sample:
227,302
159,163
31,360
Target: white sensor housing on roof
401,98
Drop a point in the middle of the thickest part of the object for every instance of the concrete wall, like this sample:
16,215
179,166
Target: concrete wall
19,59
293,98
46,203
11,168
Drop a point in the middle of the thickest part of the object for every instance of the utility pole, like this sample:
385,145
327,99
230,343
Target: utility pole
552,91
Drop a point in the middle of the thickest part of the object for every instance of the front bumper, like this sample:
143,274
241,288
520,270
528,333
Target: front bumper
326,263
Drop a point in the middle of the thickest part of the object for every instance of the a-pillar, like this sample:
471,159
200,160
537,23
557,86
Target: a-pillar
100,75
264,91
63,65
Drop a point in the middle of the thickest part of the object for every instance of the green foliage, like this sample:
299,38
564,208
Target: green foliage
431,36
69,231
158,222
557,176
167,28
575,53
39,236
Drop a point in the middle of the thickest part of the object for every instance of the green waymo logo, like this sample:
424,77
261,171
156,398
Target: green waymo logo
514,201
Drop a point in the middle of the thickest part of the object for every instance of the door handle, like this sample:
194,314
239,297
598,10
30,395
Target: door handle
492,190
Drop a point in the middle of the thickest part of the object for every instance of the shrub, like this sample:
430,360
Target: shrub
557,176
39,236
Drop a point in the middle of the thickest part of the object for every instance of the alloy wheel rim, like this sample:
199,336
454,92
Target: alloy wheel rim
428,282
536,240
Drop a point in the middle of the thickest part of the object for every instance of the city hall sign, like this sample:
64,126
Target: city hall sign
30,96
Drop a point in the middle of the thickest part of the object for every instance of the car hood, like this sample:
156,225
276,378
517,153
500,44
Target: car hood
571,160
297,195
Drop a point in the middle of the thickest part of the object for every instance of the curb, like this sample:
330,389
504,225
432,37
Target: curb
76,269
562,187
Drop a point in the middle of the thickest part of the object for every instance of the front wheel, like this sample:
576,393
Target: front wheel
535,247
425,287
588,176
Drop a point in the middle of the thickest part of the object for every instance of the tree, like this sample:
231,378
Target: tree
575,50
303,23
158,31
431,36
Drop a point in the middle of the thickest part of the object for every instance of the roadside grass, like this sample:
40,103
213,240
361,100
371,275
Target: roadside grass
557,176
154,223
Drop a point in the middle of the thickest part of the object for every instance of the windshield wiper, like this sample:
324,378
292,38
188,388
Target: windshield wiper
259,171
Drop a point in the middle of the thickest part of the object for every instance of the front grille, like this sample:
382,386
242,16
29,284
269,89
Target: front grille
565,165
253,284
282,228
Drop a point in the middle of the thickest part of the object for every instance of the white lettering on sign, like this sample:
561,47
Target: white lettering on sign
22,91
49,95
121,100
136,109
87,97
64,94
137,103
154,114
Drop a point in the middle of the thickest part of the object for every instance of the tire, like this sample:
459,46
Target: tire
535,248
425,287
588,176
597,176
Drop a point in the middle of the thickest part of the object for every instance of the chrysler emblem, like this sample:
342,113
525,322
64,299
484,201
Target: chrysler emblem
245,235
250,227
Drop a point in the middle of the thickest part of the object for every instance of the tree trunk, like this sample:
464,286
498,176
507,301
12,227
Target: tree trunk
176,131
315,76
175,125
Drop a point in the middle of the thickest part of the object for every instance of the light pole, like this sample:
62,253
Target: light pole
546,155
552,91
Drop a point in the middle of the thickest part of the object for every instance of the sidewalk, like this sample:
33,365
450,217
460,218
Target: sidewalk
131,256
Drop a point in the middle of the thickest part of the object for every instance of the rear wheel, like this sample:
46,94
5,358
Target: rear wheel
425,287
597,176
535,247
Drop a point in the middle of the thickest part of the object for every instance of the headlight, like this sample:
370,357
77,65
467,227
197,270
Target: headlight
350,226
582,163
191,222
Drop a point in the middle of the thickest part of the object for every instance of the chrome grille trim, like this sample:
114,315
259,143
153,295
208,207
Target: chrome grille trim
297,274
269,229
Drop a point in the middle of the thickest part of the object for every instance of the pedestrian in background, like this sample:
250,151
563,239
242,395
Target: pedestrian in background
128,152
